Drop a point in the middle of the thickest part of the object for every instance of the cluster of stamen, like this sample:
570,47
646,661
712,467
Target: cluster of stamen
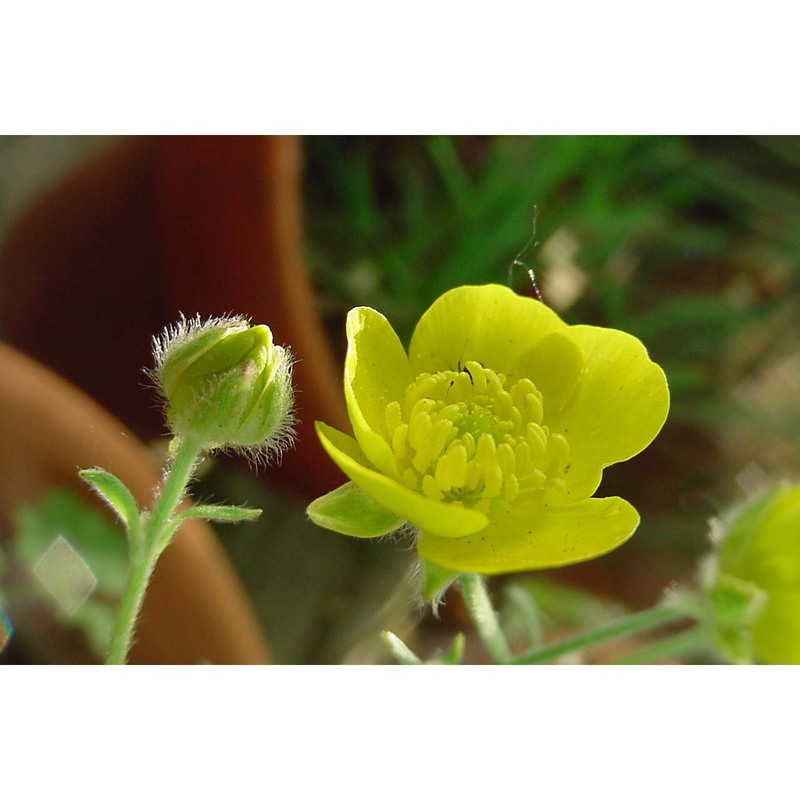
463,437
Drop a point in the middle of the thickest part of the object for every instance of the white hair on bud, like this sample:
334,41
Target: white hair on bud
179,332
174,336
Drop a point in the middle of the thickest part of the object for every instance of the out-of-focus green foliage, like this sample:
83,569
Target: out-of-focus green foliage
88,536
63,513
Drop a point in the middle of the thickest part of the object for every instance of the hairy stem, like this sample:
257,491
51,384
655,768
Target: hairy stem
473,589
177,477
144,554
130,605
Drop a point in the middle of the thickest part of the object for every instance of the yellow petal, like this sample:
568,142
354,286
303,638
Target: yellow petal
613,411
555,365
530,536
376,374
488,324
445,519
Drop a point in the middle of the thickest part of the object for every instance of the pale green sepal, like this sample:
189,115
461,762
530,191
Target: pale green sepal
351,511
214,513
436,580
116,494
400,650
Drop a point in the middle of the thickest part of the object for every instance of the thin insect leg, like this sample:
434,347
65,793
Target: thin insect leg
519,261
529,272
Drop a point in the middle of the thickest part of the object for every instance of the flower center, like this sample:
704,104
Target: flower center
464,437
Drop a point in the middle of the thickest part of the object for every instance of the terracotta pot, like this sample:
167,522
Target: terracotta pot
155,227
196,610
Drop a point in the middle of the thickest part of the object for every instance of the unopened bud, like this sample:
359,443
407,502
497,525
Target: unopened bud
753,579
226,385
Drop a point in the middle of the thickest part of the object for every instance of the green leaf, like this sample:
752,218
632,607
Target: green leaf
93,534
214,513
114,492
455,652
350,511
400,650
208,512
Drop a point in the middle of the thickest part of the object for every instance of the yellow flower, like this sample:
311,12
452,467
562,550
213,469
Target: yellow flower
756,573
490,436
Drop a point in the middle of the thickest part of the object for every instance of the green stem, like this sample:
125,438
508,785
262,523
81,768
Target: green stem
473,590
130,605
179,473
626,626
145,554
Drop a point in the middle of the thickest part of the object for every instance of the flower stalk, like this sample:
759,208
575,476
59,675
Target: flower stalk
479,606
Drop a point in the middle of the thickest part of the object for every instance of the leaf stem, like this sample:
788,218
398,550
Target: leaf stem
626,626
479,606
691,639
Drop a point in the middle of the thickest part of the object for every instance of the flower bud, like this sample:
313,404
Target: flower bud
753,580
226,385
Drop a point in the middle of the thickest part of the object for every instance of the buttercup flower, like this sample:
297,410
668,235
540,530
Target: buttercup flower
226,385
490,436
754,580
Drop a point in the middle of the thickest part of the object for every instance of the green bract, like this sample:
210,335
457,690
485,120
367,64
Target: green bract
756,572
490,436
226,385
